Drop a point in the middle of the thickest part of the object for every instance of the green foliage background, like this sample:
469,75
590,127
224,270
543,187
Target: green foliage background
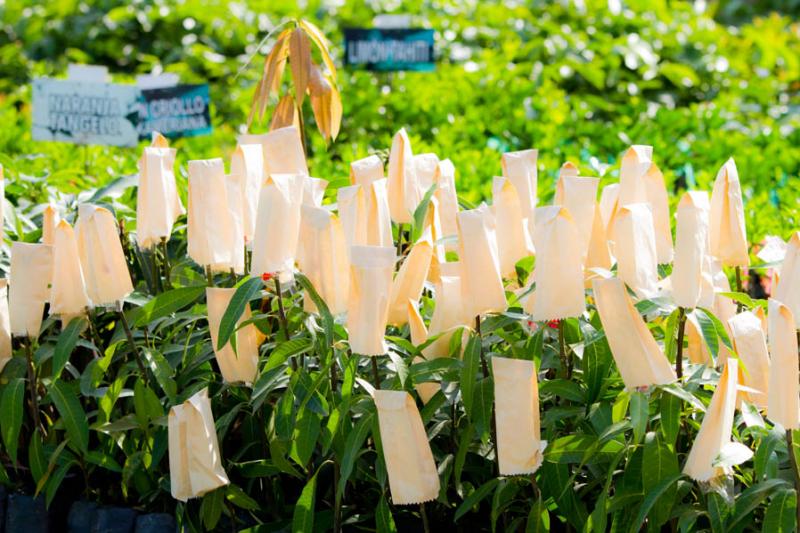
580,81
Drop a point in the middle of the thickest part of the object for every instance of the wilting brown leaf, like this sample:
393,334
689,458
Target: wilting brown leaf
285,113
322,44
336,111
300,58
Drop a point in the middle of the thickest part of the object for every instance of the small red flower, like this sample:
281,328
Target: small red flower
553,324
266,276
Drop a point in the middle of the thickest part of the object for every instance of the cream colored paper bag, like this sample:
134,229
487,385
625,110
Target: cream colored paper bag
403,188
283,152
352,205
237,243
410,279
559,271
691,248
449,315
579,196
715,431
635,249
371,269
636,163
751,345
5,325
50,219
324,259
105,270
516,405
658,198
788,287
639,358
413,477
698,351
240,366
68,296
419,335
426,166
247,168
209,227
784,383
157,202
520,168
609,204
278,226
513,240
364,211
31,273
481,280
598,255
728,234
447,197
364,171
314,191
195,463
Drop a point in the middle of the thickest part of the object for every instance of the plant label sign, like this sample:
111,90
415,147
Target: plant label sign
113,114
389,49
179,111
83,112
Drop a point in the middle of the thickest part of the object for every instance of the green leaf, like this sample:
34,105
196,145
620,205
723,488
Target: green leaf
69,407
36,458
165,304
284,350
640,410
708,331
211,508
581,448
66,344
245,292
11,407
751,498
473,499
352,448
717,512
146,404
659,463
303,519
237,497
742,298
538,519
421,212
55,481
162,371
597,362
469,372
328,323
651,498
670,417
780,516
305,435
384,521
482,407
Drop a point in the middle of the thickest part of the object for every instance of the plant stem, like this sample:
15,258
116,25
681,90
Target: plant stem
376,376
209,276
167,266
337,500
739,289
425,526
91,317
132,344
34,404
233,277
679,351
302,125
282,316
154,271
399,240
562,350
484,366
795,468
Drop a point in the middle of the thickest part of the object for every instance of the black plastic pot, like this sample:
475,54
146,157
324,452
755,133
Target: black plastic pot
156,523
81,516
26,514
114,520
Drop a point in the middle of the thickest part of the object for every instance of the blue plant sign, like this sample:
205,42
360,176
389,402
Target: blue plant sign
388,50
178,111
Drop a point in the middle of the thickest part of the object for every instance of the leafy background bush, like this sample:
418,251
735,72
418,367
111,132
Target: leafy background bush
580,81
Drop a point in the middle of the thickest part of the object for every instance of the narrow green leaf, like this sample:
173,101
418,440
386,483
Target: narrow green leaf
244,293
305,435
303,519
650,500
659,463
384,521
352,448
67,340
751,498
474,499
11,407
780,516
469,372
165,304
670,417
639,408
211,508
421,212
72,414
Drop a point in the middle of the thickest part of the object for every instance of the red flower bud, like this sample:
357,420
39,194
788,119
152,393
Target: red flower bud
553,324
266,276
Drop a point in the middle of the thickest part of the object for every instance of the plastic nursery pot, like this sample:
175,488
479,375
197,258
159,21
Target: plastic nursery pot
156,523
26,514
